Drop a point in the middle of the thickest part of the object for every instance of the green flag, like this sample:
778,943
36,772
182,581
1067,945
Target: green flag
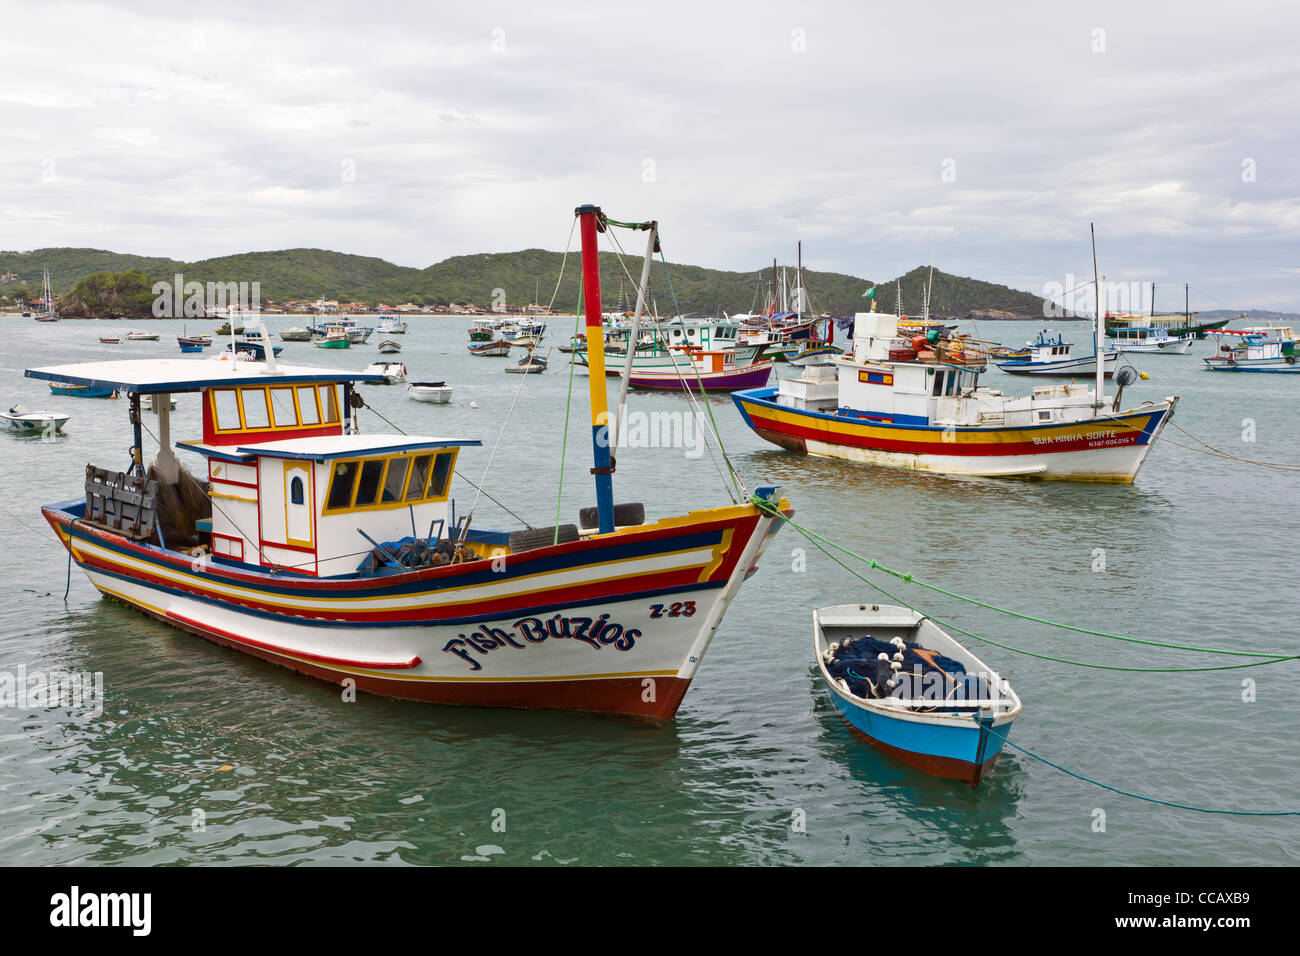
870,293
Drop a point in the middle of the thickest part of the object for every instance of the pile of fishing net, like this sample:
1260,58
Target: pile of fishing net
871,668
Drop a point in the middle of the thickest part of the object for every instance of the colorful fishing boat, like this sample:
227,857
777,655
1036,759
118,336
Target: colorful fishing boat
334,336
1049,356
490,349
530,364
193,343
932,416
912,691
341,555
82,390
390,325
703,370
22,421
1243,351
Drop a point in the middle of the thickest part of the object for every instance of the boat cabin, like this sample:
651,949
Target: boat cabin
290,483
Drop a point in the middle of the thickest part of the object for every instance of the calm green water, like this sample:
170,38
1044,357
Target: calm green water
1200,550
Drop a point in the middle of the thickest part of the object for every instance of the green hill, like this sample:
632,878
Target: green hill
307,274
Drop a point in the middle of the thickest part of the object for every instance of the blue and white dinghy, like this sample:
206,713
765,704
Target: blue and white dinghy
911,690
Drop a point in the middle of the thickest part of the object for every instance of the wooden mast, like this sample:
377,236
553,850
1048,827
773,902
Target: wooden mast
603,468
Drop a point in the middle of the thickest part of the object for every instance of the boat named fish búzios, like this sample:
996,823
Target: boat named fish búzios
911,690
931,416
339,555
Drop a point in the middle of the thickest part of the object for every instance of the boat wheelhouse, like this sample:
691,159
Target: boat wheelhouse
1151,339
342,555
1049,355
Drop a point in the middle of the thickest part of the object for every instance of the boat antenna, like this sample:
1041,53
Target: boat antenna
1098,352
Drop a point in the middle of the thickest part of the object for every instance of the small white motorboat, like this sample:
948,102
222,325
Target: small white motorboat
295,333
911,690
394,373
20,420
137,335
436,392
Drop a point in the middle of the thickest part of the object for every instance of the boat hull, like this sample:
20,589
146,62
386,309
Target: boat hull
1110,449
1066,368
586,626
753,377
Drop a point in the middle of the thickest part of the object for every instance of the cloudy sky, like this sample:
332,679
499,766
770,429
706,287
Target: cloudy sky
988,135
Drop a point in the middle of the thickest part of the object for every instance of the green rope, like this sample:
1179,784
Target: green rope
908,578
1138,796
568,407
704,398
764,505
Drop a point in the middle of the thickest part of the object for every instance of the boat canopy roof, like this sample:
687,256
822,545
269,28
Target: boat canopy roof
325,447
148,376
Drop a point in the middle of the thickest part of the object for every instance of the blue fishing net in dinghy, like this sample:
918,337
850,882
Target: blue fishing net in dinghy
925,674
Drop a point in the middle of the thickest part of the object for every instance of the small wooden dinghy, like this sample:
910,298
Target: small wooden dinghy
108,340
491,349
20,420
436,392
529,365
911,690
389,347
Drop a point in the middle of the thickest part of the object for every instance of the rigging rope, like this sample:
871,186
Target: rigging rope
817,540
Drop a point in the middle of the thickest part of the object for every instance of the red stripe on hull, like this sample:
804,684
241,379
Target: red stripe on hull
615,695
949,768
790,434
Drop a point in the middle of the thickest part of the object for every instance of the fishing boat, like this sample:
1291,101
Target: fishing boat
391,373
657,346
437,392
22,421
390,325
483,329
356,333
1283,334
333,336
819,348
138,335
1050,356
295,333
225,329
909,689
1241,351
49,314
530,364
342,556
490,349
873,406
389,347
188,346
82,390
703,370
1150,340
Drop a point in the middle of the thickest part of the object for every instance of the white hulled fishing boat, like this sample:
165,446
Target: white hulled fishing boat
341,555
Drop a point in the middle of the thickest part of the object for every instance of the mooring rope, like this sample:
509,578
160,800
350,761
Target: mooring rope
818,541
1139,796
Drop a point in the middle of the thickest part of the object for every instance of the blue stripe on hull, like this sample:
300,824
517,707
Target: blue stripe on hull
959,743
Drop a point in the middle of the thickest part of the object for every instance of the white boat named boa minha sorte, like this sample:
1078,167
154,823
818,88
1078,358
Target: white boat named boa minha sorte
932,416
340,555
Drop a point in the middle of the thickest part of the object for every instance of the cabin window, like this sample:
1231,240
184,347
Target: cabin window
329,403
939,378
1044,415
441,475
419,477
372,473
256,414
395,479
310,413
296,491
283,411
225,404
342,485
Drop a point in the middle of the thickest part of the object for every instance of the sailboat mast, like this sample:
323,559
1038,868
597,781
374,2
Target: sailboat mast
1098,349
798,279
603,466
